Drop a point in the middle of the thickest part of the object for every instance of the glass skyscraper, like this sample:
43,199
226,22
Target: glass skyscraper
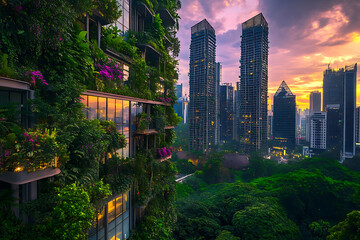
284,119
227,112
253,83
202,104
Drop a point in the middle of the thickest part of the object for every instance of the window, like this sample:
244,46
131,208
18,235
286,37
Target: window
102,108
92,112
111,110
123,22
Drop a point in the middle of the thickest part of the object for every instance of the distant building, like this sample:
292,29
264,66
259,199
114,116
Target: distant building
178,107
333,88
348,150
318,131
226,112
357,125
179,90
308,128
284,120
270,126
254,83
237,112
202,106
315,101
334,126
218,75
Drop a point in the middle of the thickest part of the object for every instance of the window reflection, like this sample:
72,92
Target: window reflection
102,108
92,113
126,116
111,110
119,206
119,115
111,211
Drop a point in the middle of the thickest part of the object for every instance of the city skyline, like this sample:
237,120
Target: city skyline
320,35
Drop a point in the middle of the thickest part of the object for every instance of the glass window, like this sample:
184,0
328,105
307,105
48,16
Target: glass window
4,98
119,206
92,103
126,228
15,97
111,234
126,18
119,115
102,108
111,110
133,116
101,218
126,116
119,232
111,211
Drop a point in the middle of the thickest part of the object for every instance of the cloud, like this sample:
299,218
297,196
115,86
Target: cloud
304,37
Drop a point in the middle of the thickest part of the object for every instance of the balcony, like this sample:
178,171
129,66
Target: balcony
144,10
167,18
14,84
22,177
150,54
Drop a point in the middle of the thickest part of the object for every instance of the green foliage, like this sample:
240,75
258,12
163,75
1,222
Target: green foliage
109,9
226,235
183,190
117,173
347,229
182,139
262,221
158,120
31,150
99,191
6,68
320,229
72,215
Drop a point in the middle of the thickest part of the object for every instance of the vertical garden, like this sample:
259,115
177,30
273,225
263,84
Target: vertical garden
43,45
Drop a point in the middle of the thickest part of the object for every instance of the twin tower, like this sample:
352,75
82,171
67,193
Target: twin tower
251,125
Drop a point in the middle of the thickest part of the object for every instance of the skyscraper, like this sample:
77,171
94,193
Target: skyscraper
254,83
339,87
318,131
315,101
179,90
227,112
284,120
218,75
348,150
333,87
334,126
202,87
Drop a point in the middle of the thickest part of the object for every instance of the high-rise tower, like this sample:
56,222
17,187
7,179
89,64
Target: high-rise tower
315,101
348,150
284,119
254,83
202,87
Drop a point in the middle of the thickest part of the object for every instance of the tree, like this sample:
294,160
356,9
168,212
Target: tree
226,235
262,221
348,229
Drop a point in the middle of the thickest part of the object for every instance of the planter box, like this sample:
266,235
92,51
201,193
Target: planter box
26,177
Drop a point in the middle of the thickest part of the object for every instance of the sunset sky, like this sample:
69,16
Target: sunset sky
305,35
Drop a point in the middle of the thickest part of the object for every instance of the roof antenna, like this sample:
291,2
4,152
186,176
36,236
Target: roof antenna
330,62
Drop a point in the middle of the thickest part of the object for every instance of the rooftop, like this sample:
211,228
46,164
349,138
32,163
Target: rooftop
204,24
258,20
